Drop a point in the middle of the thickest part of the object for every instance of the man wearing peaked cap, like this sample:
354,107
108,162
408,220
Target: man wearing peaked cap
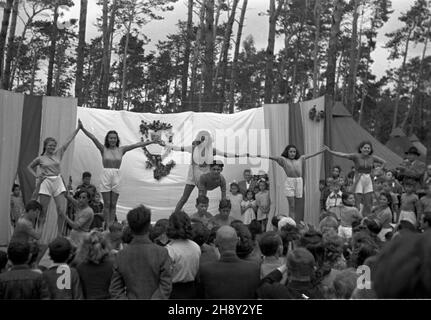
414,169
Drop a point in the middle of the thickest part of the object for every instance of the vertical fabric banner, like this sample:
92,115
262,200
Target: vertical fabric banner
277,123
327,140
11,110
58,121
313,137
30,137
296,137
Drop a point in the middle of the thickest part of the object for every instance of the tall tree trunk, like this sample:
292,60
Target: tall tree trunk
196,56
3,33
104,75
80,52
224,55
295,60
33,71
52,49
124,73
59,68
317,10
187,51
400,79
234,68
333,47
351,82
269,72
10,41
217,17
208,64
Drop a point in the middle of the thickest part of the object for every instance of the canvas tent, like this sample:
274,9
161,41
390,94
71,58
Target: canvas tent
419,145
346,136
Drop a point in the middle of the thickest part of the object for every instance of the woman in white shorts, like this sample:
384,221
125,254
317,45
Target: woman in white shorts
362,183
49,182
291,162
112,156
203,153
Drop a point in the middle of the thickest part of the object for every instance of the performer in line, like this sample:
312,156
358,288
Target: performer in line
49,182
203,153
112,156
291,162
362,183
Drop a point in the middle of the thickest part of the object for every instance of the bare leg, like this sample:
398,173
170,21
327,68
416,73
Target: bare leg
368,203
106,207
60,203
113,210
186,195
358,200
292,213
44,201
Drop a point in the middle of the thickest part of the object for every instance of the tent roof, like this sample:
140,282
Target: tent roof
347,134
398,132
414,138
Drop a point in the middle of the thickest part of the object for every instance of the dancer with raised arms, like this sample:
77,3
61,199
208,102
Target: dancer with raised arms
49,182
112,156
291,162
362,183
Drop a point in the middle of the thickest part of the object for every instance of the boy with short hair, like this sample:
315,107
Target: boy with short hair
271,247
17,207
62,280
202,215
409,203
223,218
212,180
24,229
20,282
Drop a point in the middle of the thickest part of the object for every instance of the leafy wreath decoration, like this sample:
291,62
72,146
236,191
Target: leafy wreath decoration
316,116
154,160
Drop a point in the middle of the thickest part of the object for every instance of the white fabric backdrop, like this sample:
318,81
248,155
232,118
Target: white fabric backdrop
58,121
313,137
11,106
138,185
277,120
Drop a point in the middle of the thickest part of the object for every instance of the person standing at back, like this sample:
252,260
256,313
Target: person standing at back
143,269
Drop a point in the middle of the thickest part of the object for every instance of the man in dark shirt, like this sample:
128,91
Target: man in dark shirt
20,282
86,185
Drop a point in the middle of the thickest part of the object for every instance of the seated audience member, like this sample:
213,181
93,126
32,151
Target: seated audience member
142,270
403,268
271,247
313,242
382,214
334,201
20,282
158,232
223,218
184,254
289,234
200,235
202,215
95,266
3,261
60,250
17,207
230,277
345,283
245,247
329,224
299,266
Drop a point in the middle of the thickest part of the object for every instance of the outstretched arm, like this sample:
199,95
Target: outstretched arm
341,154
92,137
230,155
308,156
176,148
136,145
64,147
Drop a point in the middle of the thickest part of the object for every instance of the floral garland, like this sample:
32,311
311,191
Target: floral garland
316,116
154,160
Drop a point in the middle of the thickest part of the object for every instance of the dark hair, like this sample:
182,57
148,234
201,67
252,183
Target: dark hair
3,260
127,236
388,197
286,152
15,186
373,226
245,244
345,196
263,181
246,170
234,184
45,143
18,252
159,228
202,199
427,218
60,249
363,143
180,226
81,191
86,174
225,203
107,141
269,243
115,227
255,228
217,163
213,234
337,166
33,205
200,233
249,190
139,219
274,221
313,242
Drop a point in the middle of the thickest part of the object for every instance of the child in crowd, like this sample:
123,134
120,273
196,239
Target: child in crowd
114,237
382,215
348,214
158,233
25,226
334,202
223,218
263,204
325,192
409,203
17,207
329,225
202,215
235,198
387,188
397,188
378,188
271,247
424,205
248,208
60,250
97,206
